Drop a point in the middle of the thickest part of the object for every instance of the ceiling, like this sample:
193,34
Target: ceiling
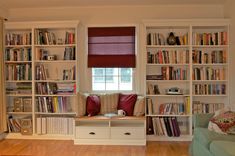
12,4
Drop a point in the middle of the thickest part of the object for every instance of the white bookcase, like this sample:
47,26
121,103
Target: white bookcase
190,76
41,66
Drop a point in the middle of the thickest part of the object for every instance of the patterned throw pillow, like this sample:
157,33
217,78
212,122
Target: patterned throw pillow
225,121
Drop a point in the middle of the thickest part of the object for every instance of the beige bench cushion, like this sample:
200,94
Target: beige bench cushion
139,109
81,104
109,103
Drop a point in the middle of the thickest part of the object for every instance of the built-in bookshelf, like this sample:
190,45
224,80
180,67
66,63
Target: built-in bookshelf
186,73
41,66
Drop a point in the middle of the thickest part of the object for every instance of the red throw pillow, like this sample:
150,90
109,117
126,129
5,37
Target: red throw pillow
127,103
93,105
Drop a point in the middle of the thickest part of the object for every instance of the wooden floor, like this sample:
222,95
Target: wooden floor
67,148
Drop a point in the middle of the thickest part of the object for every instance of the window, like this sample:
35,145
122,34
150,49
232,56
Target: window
112,79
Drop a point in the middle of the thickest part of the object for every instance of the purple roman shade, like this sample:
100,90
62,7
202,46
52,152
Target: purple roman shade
111,47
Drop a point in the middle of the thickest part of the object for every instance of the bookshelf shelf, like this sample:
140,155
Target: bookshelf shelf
41,58
197,64
57,45
54,95
171,115
18,46
20,113
162,95
67,113
16,95
210,46
154,64
167,46
56,61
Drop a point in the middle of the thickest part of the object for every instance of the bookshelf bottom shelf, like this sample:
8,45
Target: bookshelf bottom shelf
164,138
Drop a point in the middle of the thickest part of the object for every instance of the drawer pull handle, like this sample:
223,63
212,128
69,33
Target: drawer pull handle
127,133
92,133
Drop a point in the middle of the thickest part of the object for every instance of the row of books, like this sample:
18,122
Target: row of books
182,108
18,39
152,89
41,73
159,39
17,125
215,56
203,108
18,54
163,126
69,74
69,54
214,38
209,89
19,88
209,73
54,125
69,37
169,73
45,88
22,105
44,37
18,72
53,104
168,57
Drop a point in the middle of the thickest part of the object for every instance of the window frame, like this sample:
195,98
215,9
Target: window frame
119,90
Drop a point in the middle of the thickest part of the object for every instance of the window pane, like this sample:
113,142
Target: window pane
112,85
98,71
112,79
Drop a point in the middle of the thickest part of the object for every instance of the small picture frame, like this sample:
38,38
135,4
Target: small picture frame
26,126
18,105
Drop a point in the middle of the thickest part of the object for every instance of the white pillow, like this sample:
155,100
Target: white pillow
214,127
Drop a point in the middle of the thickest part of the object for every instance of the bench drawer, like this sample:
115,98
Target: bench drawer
92,133
127,133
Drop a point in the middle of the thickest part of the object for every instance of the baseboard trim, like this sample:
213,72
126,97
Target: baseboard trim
2,136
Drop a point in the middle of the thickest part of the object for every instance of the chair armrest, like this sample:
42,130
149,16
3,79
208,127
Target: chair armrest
202,120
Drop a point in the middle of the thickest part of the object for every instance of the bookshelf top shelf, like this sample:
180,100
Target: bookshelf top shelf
17,62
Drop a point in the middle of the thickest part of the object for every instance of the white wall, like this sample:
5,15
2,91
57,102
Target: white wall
230,13
115,16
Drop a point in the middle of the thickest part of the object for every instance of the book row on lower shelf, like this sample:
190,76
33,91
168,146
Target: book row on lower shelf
51,88
21,125
54,125
53,104
173,108
203,108
166,126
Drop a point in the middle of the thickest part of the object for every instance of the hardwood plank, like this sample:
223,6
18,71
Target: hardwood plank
67,148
